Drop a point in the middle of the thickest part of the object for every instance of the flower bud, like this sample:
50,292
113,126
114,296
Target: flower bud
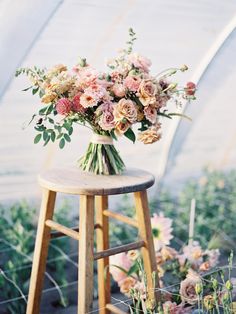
229,285
198,288
214,284
183,68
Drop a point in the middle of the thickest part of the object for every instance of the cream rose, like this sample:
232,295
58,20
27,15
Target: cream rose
147,89
122,126
125,108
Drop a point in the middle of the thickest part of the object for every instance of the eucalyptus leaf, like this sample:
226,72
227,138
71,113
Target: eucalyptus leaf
37,138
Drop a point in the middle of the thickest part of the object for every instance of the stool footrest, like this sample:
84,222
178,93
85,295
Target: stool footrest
62,229
119,249
114,309
120,217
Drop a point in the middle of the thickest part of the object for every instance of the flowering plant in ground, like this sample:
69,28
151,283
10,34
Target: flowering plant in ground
189,279
110,103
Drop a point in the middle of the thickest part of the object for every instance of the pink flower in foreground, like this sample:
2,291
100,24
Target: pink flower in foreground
161,229
172,308
188,290
140,62
63,106
132,83
121,260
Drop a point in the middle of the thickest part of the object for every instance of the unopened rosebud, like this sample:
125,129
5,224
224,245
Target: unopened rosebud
209,302
183,68
82,62
198,288
229,285
226,297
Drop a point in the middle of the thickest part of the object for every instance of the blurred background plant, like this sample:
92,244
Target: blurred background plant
17,237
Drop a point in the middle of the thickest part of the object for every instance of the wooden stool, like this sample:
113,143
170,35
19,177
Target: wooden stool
92,189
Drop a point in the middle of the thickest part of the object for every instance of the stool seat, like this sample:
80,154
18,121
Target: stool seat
74,181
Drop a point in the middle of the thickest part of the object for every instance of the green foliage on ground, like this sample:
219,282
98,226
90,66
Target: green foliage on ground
17,237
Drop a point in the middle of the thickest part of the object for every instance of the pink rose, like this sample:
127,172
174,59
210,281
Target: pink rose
150,113
119,90
107,121
187,290
63,106
140,62
132,83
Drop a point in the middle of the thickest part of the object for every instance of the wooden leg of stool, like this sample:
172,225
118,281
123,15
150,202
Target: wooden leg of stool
41,252
86,242
103,263
148,252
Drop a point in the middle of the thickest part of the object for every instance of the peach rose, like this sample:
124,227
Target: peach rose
149,136
168,253
147,89
125,108
122,126
187,290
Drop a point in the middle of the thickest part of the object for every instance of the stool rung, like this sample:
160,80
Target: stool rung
119,249
114,309
120,217
62,229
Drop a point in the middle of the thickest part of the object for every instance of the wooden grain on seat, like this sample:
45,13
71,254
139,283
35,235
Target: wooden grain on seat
74,181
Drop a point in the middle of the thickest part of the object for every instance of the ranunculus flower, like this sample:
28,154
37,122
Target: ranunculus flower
63,106
190,89
187,290
87,101
132,83
125,108
150,113
121,260
140,62
119,90
149,136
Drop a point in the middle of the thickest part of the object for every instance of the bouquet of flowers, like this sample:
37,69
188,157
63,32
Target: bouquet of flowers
109,103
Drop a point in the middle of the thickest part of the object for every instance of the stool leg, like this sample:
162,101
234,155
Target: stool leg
86,242
148,252
103,263
41,252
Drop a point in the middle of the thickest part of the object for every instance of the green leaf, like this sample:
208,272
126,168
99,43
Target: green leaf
46,141
37,138
25,90
130,135
70,131
45,135
62,143
53,136
133,269
35,90
43,110
67,137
